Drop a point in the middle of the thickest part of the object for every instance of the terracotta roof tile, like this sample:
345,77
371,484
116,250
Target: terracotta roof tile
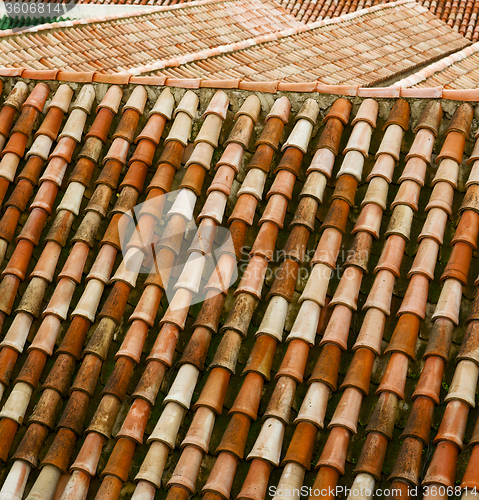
305,184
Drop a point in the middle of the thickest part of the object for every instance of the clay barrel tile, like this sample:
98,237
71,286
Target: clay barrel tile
101,125
280,110
340,109
325,369
457,267
453,424
360,370
419,422
323,161
36,99
462,120
442,469
453,147
440,339
251,107
430,118
271,134
409,461
415,170
422,146
383,167
372,455
384,415
425,260
235,435
335,450
399,115
17,96
283,184
261,358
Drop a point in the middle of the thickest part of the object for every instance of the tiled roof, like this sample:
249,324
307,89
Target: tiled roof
458,71
230,40
364,48
125,41
352,325
459,14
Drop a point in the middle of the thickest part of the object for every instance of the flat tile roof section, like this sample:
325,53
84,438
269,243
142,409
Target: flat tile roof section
460,14
457,71
365,48
125,41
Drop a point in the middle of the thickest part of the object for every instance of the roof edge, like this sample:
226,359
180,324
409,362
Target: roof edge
471,95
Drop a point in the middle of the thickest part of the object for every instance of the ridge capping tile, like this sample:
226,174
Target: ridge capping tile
11,71
220,84
347,90
185,83
40,74
75,76
461,94
422,92
387,92
148,80
113,78
297,87
269,87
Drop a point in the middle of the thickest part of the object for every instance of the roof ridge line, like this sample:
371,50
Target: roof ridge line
270,87
250,42
437,66
112,17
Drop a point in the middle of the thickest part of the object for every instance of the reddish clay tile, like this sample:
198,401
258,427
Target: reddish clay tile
453,423
425,260
384,415
468,228
372,455
442,469
415,170
461,120
458,264
61,450
453,147
256,481
283,184
419,421
430,118
37,97
470,476
359,371
294,361
261,357
440,339
285,280
221,477
399,115
409,461
334,452
74,76
301,447
415,299
442,196
325,369
235,435
394,377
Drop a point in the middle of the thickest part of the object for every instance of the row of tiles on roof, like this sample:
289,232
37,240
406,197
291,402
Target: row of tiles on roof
237,83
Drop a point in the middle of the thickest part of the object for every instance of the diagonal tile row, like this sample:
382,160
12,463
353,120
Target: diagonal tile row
58,371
